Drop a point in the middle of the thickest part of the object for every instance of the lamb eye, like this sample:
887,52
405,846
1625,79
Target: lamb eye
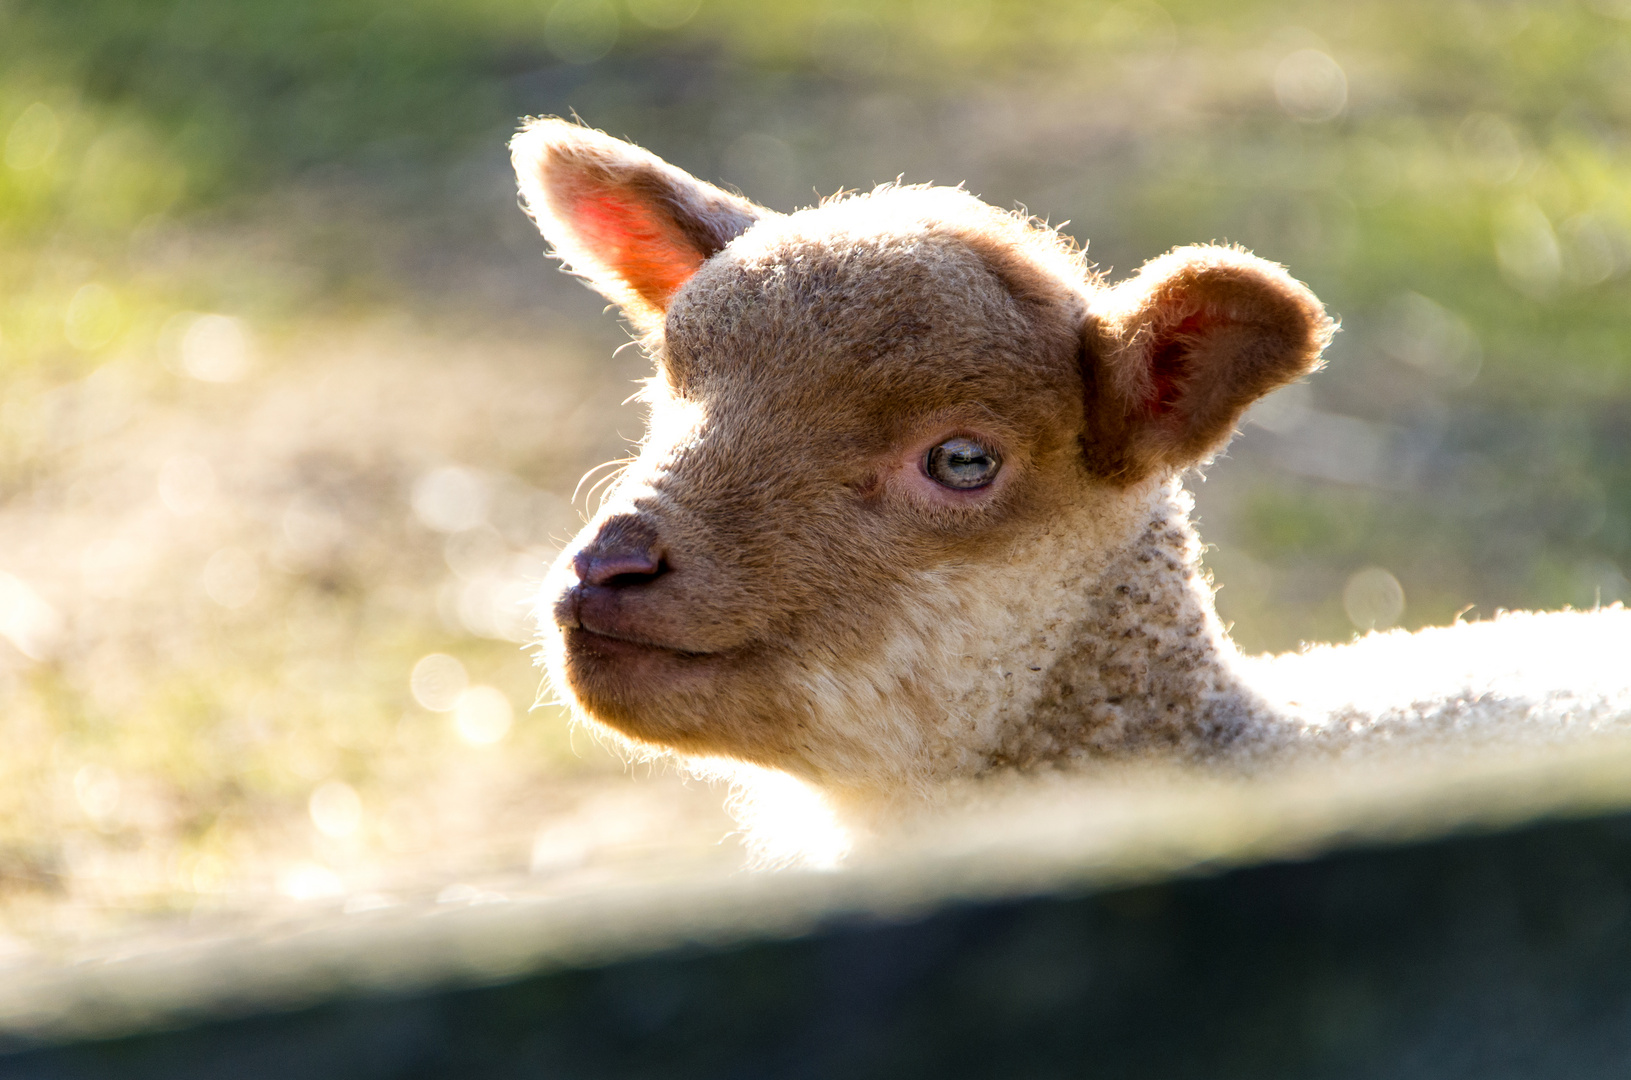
962,463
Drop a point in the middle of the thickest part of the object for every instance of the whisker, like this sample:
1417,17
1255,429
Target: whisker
598,484
617,463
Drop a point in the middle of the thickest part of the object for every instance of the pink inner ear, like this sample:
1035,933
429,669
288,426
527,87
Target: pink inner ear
1169,360
633,241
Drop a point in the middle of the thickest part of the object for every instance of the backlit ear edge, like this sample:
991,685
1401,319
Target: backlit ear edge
632,225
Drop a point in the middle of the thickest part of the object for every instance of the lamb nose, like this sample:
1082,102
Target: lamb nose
618,567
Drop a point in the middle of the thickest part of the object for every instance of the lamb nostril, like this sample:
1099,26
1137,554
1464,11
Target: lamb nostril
623,581
619,569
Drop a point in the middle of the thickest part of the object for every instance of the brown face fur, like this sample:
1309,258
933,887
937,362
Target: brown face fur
779,532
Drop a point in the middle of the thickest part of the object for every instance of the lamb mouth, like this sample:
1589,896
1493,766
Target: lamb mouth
579,638
620,681
632,666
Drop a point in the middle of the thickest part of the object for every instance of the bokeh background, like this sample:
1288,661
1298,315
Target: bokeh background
293,410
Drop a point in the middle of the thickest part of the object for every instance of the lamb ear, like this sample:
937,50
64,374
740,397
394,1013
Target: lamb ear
1177,353
633,225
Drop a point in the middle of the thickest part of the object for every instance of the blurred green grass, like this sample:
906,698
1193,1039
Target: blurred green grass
1453,179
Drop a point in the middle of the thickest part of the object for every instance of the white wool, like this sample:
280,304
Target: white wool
1520,678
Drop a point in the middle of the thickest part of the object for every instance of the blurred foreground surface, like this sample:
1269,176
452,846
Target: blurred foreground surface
294,410
1116,938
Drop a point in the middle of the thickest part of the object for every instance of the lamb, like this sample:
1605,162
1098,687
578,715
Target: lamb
909,511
